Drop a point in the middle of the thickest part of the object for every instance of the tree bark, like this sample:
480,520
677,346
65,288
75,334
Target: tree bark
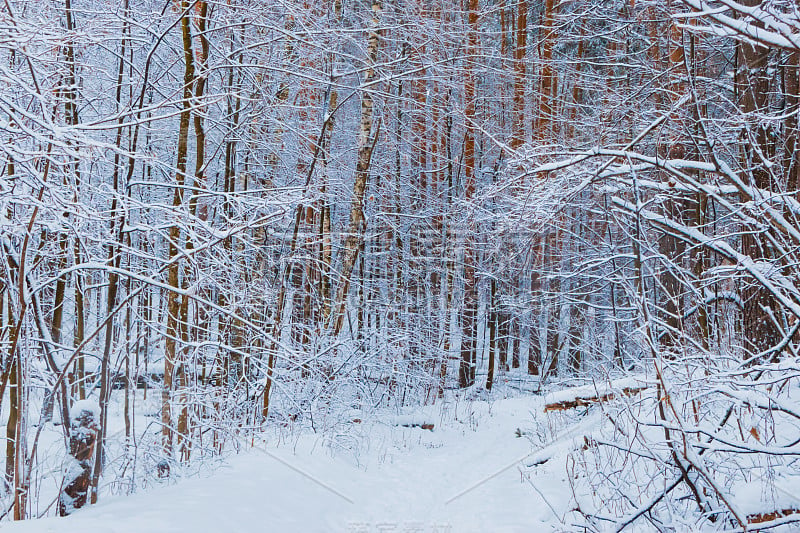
173,304
366,144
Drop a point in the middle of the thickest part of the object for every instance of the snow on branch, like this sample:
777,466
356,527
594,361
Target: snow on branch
757,25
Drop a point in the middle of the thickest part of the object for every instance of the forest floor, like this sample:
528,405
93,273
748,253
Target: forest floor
463,475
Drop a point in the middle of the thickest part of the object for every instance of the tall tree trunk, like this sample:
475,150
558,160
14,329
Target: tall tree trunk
535,353
760,310
547,76
173,304
670,246
520,81
469,316
366,143
80,330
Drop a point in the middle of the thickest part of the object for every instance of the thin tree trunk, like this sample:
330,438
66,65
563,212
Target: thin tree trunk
173,304
470,310
80,329
492,320
366,144
547,77
520,82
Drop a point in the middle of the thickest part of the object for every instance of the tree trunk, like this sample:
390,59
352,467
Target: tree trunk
173,304
84,428
518,132
547,77
760,310
366,143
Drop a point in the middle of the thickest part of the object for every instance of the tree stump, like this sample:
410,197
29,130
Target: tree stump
83,437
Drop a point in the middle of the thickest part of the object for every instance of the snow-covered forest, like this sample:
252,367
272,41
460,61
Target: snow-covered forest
552,245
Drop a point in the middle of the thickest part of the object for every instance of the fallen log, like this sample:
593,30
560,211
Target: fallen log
412,421
581,401
427,426
761,518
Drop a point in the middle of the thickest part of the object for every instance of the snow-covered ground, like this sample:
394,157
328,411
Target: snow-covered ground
462,476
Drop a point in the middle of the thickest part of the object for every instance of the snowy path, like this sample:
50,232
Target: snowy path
402,484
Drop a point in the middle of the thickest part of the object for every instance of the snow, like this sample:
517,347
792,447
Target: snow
411,420
498,464
462,476
751,500
89,406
